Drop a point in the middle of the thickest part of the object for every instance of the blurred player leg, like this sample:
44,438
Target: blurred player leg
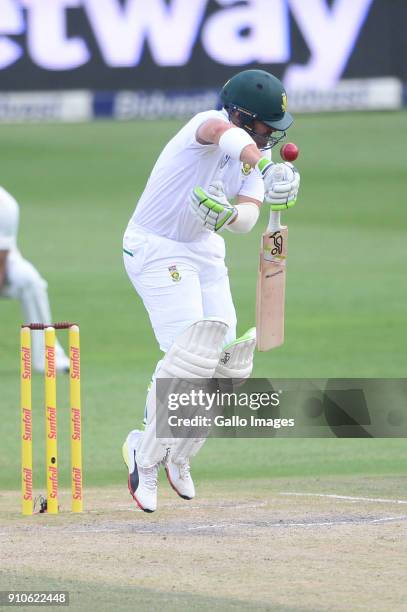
25,284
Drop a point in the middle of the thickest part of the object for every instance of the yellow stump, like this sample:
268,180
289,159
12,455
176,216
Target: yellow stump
76,427
26,423
51,422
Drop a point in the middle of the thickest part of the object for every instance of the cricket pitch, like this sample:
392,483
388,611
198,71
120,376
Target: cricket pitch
285,544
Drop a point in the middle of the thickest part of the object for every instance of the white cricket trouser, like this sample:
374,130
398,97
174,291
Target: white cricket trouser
179,282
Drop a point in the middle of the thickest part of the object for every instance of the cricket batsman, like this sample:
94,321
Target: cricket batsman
21,281
213,175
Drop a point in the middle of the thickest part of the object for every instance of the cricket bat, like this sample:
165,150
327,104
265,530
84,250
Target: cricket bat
270,296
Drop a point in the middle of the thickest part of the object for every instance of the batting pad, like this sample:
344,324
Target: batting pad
236,360
186,448
194,354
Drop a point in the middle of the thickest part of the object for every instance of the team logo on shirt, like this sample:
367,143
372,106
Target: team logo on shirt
174,273
246,169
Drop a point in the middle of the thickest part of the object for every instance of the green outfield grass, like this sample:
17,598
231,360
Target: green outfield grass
346,292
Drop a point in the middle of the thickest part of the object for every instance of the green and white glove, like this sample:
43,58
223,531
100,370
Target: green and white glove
212,207
281,183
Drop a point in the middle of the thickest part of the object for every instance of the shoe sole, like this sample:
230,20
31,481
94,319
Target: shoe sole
174,487
133,495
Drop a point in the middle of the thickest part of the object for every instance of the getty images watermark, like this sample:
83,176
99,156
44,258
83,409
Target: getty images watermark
214,404
256,408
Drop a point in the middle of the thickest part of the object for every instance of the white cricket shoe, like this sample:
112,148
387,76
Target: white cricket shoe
179,477
142,482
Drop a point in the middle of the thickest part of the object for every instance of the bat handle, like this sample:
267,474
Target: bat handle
274,221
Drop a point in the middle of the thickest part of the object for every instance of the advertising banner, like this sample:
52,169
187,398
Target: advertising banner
111,45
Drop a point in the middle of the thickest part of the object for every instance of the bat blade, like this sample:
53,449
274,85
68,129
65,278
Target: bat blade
270,296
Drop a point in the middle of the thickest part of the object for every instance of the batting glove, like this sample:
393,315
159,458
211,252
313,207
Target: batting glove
281,183
212,207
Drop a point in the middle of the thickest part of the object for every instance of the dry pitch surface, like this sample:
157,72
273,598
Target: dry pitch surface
264,545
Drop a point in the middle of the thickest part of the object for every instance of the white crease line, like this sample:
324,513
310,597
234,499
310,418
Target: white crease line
331,523
235,507
220,525
204,527
389,518
351,523
319,524
347,497
108,530
215,506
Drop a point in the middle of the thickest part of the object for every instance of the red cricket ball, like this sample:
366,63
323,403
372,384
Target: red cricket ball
289,152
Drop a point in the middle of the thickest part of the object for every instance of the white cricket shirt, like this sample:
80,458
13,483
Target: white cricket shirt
184,163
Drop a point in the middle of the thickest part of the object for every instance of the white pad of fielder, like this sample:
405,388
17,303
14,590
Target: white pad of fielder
236,360
25,284
194,354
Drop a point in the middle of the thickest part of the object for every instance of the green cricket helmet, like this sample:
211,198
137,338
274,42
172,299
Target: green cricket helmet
257,95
